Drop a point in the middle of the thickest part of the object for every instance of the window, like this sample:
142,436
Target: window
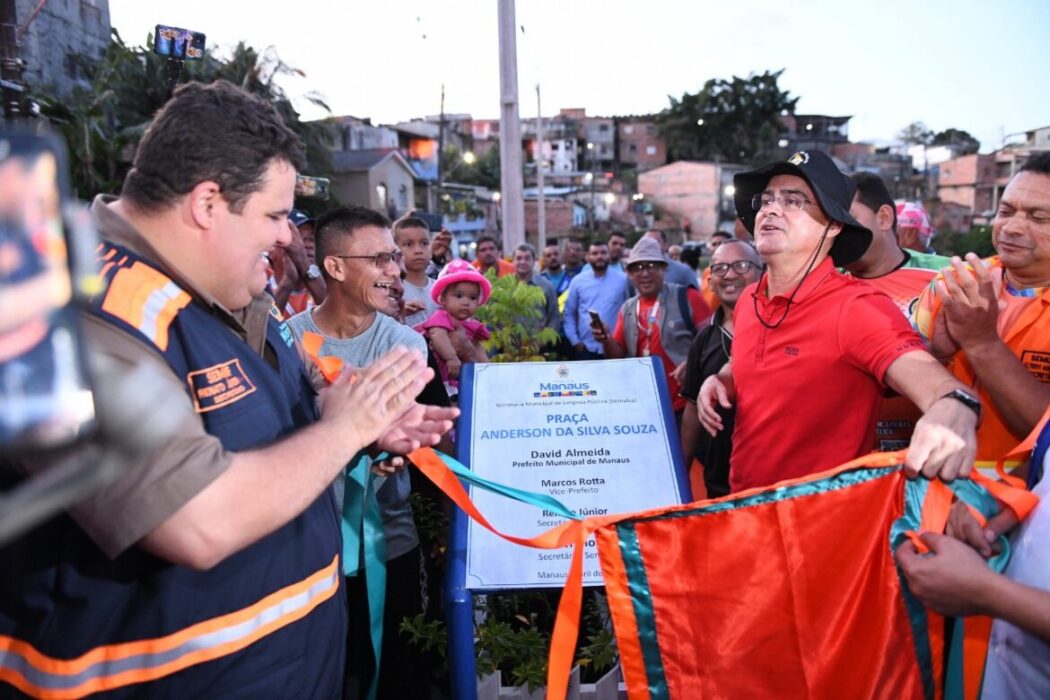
629,129
650,150
603,127
650,129
632,149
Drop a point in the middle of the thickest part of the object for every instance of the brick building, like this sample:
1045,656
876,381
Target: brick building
699,194
639,143
968,183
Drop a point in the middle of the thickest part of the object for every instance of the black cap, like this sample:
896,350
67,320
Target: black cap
832,188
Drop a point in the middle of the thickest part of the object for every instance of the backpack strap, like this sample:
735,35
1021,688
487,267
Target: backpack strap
684,310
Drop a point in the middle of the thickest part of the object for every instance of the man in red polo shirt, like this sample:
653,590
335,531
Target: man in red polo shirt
814,349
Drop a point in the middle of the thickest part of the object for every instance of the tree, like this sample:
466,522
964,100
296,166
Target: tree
484,171
916,134
963,140
513,312
103,123
734,120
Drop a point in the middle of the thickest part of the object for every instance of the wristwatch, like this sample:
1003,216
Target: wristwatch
313,272
969,400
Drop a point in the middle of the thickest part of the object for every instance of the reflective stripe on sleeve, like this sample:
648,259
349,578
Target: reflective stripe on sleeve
146,300
118,665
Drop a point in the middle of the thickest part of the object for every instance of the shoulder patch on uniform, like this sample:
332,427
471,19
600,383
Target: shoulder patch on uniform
218,386
145,300
1037,362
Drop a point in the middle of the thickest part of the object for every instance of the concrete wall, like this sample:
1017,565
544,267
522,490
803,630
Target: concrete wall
400,188
61,29
351,189
968,181
558,217
690,191
641,145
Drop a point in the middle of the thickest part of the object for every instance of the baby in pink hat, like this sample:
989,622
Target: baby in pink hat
454,334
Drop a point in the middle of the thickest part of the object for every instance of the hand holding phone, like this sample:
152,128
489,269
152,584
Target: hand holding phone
596,320
179,44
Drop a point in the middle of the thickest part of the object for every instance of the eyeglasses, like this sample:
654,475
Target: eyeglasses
645,266
788,200
740,267
379,259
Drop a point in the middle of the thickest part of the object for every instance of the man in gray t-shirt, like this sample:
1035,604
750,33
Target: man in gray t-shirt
360,351
360,263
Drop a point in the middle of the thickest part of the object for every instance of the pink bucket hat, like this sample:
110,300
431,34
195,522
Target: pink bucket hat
460,271
913,215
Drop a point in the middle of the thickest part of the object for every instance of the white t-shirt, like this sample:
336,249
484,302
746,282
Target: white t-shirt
1018,662
414,293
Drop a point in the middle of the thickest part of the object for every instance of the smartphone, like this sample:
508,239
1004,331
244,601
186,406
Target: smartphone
46,399
181,44
596,320
312,187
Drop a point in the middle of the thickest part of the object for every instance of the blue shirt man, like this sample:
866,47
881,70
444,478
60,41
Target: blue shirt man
599,289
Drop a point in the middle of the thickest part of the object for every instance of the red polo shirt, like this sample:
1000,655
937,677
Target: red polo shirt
808,391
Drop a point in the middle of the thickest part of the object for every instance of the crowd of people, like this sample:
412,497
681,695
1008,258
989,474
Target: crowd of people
826,328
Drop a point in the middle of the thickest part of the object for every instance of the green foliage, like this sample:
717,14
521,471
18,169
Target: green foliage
916,134
483,172
515,636
741,120
512,634
431,520
977,240
428,635
513,312
957,137
103,124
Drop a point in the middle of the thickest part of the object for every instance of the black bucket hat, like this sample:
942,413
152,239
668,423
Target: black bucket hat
833,190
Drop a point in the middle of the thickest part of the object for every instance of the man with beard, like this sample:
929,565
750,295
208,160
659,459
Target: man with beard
598,289
617,245
489,258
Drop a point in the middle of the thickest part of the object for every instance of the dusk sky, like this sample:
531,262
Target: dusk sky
979,66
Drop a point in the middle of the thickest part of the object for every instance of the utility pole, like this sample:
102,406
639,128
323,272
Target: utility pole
593,219
511,202
541,209
441,141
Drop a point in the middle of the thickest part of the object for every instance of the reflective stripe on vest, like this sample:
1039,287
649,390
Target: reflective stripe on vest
146,300
117,665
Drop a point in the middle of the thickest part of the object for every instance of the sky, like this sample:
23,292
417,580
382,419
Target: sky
974,65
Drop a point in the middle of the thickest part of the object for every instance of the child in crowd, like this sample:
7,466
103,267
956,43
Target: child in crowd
454,334
412,236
